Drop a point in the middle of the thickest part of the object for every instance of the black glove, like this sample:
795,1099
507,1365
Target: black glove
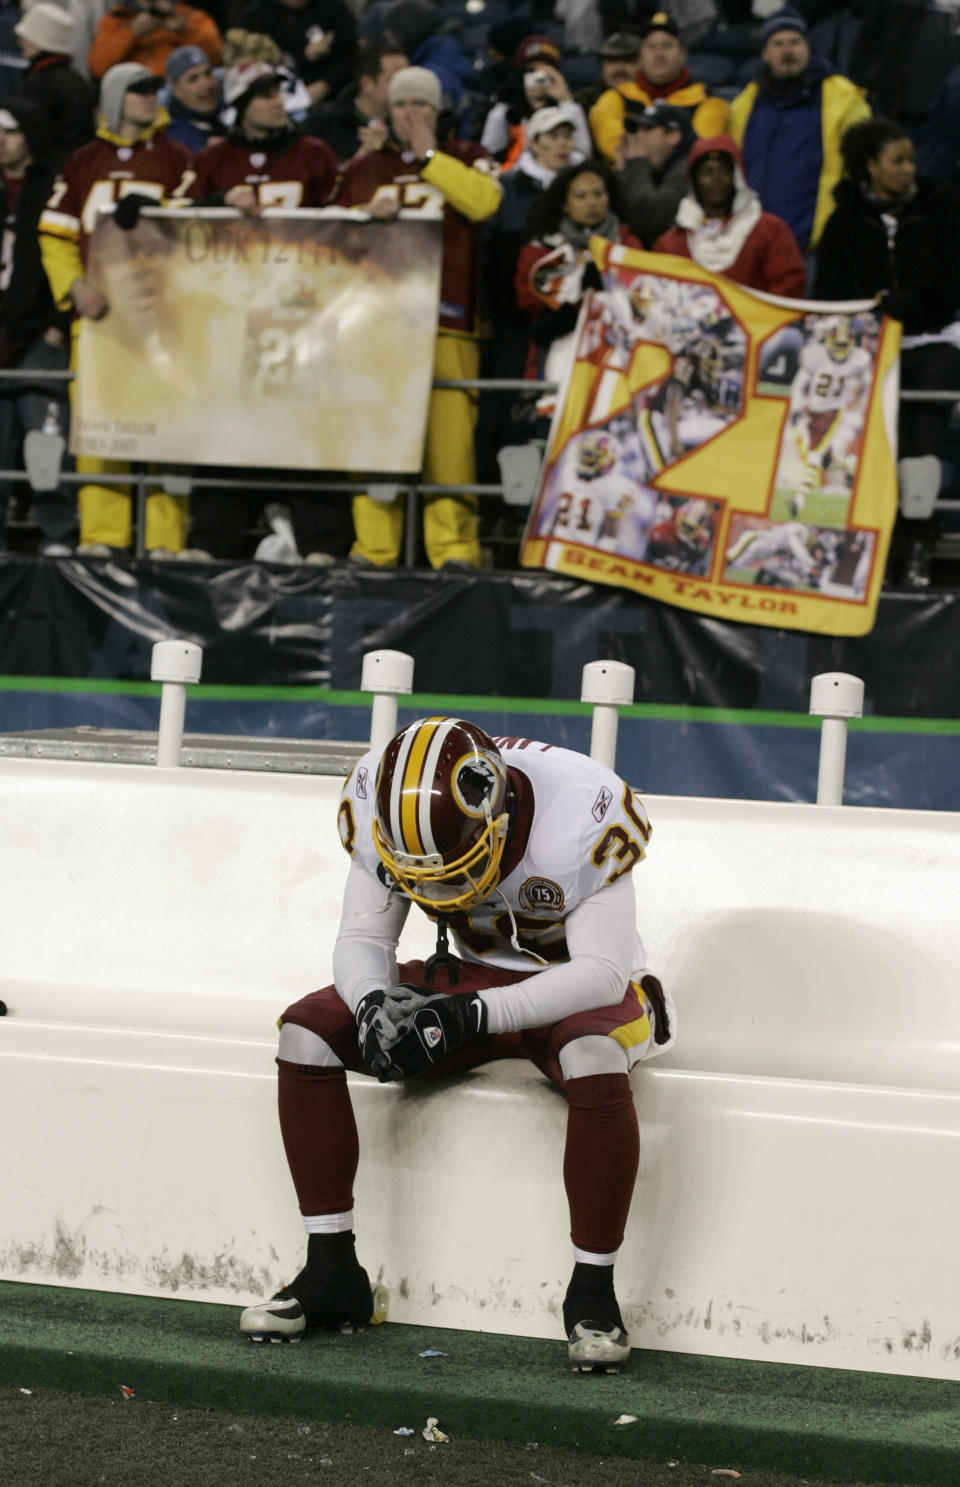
591,278
127,211
373,1034
428,1026
900,304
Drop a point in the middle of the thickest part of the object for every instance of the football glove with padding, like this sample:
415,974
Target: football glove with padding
375,1033
428,1025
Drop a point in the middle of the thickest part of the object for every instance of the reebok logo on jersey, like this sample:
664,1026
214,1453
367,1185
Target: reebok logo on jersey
602,803
361,784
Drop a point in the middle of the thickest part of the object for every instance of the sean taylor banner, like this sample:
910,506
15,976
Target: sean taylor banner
723,451
304,340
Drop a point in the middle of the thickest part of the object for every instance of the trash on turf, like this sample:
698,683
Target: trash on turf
625,1420
724,1471
404,1430
433,1432
125,1390
432,1353
26,1391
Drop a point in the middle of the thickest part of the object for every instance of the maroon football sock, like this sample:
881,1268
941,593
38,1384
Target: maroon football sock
600,1160
319,1136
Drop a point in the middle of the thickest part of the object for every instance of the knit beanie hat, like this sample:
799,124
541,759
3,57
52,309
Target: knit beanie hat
47,27
783,20
183,59
417,84
116,82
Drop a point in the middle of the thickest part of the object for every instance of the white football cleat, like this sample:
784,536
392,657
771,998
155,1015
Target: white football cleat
280,1319
592,1348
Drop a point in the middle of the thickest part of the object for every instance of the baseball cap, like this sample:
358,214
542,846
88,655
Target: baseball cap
663,115
659,21
621,46
537,49
545,120
245,79
183,59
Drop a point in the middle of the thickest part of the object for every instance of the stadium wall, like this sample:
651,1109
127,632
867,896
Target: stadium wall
797,1197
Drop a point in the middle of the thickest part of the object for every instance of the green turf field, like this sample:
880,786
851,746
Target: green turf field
822,508
207,1406
52,1438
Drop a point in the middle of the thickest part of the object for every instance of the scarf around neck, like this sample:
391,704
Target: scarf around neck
717,242
579,236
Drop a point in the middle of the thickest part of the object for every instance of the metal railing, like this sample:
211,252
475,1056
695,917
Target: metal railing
143,480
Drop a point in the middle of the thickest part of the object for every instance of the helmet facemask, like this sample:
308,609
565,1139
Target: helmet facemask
448,886
441,820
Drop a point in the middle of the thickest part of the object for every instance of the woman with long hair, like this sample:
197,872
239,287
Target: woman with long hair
555,267
895,237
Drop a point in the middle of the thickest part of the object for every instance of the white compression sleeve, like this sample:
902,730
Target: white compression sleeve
602,941
365,954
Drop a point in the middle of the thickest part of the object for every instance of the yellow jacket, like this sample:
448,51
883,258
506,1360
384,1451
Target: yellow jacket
708,115
842,103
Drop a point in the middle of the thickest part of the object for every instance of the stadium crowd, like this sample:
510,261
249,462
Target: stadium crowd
808,149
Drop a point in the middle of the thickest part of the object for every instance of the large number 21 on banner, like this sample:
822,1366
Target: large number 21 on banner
722,450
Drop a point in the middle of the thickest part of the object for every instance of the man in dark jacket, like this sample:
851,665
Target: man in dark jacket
357,118
318,36
550,149
33,335
789,124
653,176
45,34
193,100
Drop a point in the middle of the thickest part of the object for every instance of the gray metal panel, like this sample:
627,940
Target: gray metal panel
200,750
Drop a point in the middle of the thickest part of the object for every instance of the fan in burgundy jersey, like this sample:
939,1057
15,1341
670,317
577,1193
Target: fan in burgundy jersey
262,162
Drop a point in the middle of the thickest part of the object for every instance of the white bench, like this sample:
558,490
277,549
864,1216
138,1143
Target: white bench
800,1169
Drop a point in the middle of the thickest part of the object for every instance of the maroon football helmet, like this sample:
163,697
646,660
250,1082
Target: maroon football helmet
441,812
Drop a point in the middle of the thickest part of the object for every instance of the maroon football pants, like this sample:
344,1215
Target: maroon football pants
602,1148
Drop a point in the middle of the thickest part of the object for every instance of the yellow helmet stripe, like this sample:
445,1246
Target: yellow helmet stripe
409,792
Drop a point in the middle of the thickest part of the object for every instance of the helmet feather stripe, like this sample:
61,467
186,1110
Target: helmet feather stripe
409,791
426,795
396,788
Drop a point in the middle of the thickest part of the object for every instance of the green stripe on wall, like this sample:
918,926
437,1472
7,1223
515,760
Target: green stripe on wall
465,705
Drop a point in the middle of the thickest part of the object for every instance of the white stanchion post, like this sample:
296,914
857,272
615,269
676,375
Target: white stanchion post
609,686
834,696
386,674
175,663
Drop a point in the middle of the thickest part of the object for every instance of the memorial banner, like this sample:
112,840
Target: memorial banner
721,450
303,339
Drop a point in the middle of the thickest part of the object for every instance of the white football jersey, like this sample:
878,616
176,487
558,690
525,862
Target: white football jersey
588,510
584,827
833,384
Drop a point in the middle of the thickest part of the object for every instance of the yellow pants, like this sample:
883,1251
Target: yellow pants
449,522
106,510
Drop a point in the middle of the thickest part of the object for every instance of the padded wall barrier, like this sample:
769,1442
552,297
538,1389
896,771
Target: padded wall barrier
797,1197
